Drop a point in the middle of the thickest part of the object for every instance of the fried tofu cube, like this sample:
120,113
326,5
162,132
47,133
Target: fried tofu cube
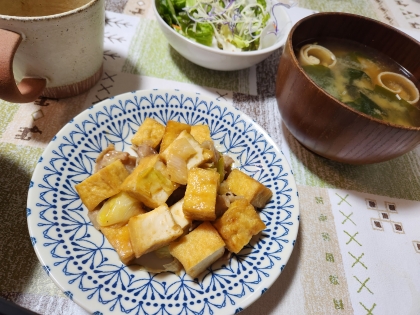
119,238
244,185
208,156
153,230
238,224
149,182
197,250
185,147
172,131
200,195
150,133
201,133
102,185
179,216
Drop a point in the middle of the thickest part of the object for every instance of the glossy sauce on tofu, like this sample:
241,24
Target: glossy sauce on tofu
181,201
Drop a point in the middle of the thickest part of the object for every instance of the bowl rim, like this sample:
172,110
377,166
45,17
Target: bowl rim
280,43
345,106
40,18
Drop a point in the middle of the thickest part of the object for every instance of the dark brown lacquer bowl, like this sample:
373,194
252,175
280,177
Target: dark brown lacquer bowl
323,124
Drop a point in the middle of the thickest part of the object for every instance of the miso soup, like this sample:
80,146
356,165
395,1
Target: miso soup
362,78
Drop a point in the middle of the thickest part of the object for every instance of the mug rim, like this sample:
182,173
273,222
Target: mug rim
48,17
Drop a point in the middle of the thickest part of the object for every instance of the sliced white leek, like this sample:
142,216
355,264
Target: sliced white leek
118,210
316,55
400,85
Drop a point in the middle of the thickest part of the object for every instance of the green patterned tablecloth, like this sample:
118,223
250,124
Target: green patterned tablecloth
358,249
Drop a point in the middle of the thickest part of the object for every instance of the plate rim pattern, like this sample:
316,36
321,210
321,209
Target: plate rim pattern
82,264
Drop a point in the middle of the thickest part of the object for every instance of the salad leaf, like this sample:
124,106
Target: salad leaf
178,4
227,24
190,3
263,4
184,21
239,42
202,34
166,10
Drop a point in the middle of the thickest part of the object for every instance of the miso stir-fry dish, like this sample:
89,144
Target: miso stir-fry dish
230,25
178,197
364,79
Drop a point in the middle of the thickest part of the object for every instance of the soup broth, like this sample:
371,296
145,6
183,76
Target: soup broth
362,78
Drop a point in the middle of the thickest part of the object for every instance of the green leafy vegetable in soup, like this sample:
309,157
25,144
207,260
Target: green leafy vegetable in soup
364,79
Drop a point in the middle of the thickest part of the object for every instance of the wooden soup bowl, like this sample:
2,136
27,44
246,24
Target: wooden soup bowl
327,126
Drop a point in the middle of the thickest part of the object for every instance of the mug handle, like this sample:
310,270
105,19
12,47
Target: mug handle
28,89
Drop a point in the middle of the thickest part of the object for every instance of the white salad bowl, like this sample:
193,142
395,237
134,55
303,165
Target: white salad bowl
217,59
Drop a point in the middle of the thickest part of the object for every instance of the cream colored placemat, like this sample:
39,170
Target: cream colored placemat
26,129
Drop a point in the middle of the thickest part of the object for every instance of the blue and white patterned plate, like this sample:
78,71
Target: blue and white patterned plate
84,265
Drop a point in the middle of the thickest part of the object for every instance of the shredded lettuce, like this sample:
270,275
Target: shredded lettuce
234,25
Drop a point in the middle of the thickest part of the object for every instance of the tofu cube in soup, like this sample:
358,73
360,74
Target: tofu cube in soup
102,185
238,224
119,238
150,133
242,184
153,230
172,131
197,250
200,195
149,182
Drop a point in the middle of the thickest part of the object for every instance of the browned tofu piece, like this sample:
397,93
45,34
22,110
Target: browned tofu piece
244,185
181,155
119,238
197,250
149,182
172,131
200,195
179,215
238,224
201,133
150,133
102,185
208,158
153,230
185,147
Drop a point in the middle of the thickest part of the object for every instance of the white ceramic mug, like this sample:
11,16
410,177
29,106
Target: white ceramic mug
52,48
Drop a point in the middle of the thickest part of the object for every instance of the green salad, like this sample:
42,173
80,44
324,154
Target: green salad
231,25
